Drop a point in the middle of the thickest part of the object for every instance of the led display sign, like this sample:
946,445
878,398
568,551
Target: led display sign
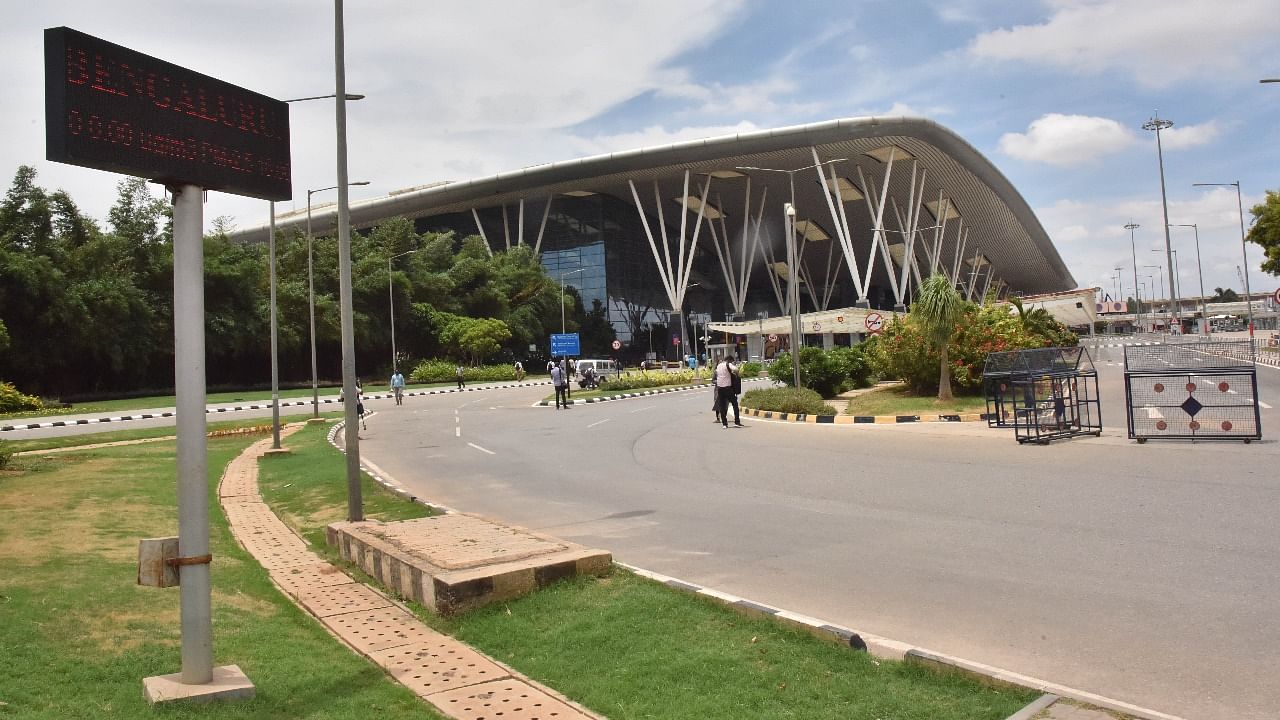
111,108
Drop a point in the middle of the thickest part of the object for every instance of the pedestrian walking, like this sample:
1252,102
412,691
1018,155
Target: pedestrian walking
519,371
561,385
728,385
360,406
397,387
566,372
462,380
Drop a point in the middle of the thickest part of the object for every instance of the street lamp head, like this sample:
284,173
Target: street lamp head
789,209
1132,226
1269,80
1157,124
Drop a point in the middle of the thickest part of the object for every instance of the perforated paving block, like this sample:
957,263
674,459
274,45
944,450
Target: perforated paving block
501,700
437,665
308,578
341,599
374,630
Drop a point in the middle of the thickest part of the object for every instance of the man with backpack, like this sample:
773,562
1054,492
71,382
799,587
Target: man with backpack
728,383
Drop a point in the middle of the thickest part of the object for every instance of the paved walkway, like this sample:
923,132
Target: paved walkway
456,679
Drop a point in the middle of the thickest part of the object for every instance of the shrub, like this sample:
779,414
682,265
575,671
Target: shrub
5,455
750,369
13,401
903,352
431,371
827,372
645,379
788,400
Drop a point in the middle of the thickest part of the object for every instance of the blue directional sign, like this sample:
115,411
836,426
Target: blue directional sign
565,344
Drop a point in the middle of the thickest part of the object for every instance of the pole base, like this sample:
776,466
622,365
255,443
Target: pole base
275,452
316,421
900,308
863,303
229,683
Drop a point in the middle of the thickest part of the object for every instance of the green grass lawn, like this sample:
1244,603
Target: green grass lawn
218,398
78,634
899,401
64,441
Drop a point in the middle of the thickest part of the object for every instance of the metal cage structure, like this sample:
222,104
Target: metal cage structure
1044,394
1192,391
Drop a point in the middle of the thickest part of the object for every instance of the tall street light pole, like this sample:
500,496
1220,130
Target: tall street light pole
1133,249
355,509
311,294
391,296
1244,245
1204,315
564,275
1157,125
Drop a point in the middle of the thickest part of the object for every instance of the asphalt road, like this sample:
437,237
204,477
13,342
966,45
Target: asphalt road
1141,572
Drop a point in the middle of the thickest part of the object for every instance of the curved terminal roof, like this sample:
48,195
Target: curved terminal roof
1002,226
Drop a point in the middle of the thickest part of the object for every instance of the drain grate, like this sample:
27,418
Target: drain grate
501,700
433,666
341,599
381,629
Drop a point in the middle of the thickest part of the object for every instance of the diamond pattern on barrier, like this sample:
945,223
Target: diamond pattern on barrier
1191,406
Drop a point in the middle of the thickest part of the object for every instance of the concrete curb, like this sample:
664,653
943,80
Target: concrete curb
864,419
893,650
254,406
636,394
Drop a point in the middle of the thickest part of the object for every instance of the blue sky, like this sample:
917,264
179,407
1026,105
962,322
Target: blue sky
1054,93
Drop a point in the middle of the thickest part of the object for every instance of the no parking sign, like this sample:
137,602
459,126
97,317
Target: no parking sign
874,322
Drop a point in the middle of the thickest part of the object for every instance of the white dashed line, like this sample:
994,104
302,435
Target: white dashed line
489,452
647,407
598,422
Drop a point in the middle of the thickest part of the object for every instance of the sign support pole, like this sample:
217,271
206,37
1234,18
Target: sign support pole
199,679
193,476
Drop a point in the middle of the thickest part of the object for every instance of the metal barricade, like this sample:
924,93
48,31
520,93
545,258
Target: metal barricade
1044,394
1197,391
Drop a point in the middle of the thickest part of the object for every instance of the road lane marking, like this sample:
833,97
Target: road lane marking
490,452
457,432
647,407
1264,405
598,422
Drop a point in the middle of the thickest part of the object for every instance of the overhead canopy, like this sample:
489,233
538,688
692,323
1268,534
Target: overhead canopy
957,185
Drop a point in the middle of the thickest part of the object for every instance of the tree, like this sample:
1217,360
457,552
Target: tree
1266,230
1227,295
938,307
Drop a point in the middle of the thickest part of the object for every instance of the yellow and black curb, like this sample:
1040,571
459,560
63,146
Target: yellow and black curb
864,419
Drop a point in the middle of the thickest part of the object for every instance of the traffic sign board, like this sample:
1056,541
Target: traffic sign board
617,344
817,327
675,340
874,322
565,344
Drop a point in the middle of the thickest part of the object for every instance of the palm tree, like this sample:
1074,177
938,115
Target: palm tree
1036,321
938,307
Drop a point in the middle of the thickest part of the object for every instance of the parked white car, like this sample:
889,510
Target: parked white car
604,369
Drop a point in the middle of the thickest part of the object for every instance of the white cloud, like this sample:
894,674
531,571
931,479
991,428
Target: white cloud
1180,138
1157,42
1067,140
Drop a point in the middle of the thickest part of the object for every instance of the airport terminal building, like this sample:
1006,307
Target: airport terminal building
701,227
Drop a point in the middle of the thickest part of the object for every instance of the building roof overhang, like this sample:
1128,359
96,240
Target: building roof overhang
1004,226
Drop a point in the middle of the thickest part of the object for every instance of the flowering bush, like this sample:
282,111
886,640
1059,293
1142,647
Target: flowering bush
434,371
646,379
13,401
905,353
